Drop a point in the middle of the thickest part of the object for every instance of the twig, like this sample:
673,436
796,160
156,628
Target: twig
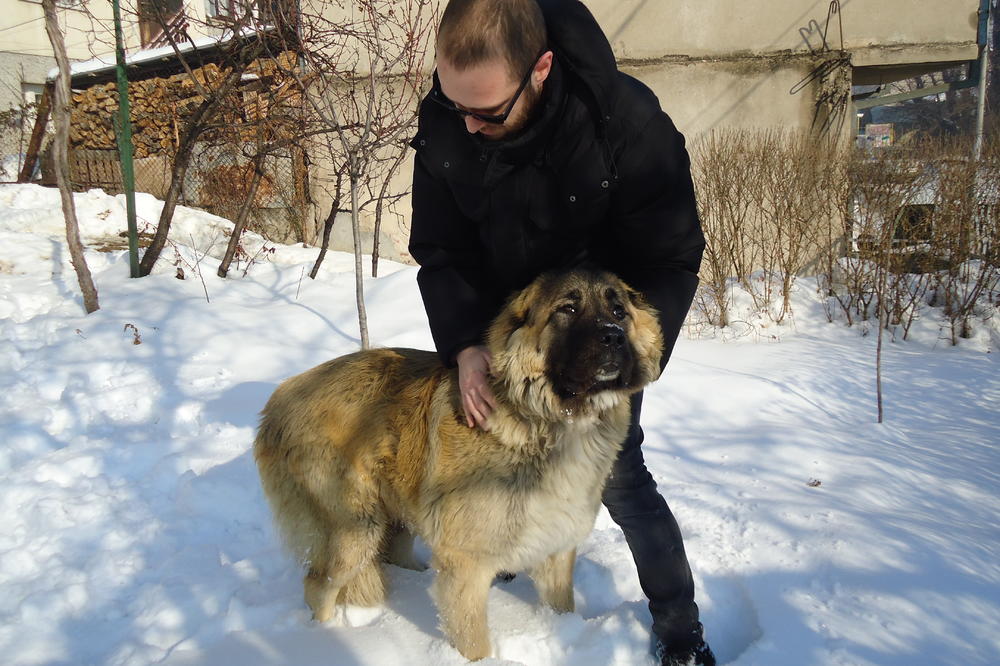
197,267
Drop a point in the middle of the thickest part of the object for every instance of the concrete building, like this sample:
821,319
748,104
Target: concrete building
788,63
714,64
25,51
26,54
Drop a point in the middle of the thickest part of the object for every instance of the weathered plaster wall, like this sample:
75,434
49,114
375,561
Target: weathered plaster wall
704,95
18,68
650,29
82,24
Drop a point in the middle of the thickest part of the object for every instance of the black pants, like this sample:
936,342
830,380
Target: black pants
653,537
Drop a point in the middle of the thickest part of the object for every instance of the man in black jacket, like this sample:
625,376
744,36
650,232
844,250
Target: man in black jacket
534,153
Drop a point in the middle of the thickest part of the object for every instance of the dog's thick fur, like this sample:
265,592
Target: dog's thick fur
362,452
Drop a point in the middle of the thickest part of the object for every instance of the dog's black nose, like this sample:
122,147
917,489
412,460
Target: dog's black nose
612,335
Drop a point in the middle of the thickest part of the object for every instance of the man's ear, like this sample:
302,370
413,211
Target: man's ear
543,66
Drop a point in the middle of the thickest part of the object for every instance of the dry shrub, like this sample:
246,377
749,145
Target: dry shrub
886,231
881,183
964,232
924,227
770,202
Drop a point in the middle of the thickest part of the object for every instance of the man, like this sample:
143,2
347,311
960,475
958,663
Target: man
534,153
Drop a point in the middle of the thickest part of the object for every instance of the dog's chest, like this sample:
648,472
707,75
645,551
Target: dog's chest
557,510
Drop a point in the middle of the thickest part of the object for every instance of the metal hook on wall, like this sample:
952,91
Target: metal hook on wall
834,9
814,28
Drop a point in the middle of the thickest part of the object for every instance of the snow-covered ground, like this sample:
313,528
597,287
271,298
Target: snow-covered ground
134,529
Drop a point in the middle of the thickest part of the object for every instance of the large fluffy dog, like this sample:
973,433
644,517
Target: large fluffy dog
359,453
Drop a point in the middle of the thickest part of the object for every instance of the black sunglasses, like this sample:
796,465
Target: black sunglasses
496,119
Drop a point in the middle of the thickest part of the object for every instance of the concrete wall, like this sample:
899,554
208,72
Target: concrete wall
25,51
704,95
650,29
18,70
718,63
24,28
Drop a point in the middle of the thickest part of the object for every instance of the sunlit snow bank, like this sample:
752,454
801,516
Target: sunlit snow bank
135,531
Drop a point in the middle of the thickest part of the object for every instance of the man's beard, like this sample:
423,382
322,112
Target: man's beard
516,123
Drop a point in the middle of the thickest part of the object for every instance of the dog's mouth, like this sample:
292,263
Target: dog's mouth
608,373
572,387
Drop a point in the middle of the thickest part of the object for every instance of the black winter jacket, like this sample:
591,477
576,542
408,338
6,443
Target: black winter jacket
600,175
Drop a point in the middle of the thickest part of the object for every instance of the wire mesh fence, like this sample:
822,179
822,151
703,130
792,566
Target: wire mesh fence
217,180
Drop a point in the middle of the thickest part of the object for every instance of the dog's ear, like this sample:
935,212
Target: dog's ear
646,333
516,314
519,311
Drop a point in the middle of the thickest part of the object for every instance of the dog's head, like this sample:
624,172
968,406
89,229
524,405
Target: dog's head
575,341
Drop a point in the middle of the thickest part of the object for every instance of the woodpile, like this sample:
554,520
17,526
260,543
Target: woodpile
160,106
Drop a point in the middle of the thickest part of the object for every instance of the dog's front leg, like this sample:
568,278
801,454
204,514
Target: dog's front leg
554,580
460,591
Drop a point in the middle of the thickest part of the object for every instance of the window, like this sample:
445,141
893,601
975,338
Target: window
225,9
32,92
913,224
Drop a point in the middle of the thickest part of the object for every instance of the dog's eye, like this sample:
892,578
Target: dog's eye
619,312
567,308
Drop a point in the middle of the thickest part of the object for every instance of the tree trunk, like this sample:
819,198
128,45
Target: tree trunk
61,119
241,217
380,205
878,363
358,270
327,228
181,160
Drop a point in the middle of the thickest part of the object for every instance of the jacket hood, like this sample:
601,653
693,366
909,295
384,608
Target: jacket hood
582,47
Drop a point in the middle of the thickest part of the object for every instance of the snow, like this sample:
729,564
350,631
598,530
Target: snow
108,61
135,531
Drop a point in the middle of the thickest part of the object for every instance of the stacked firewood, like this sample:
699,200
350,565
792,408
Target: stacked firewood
160,106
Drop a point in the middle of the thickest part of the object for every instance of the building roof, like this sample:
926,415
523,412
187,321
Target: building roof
149,62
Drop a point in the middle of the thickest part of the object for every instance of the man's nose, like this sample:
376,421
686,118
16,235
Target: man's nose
473,125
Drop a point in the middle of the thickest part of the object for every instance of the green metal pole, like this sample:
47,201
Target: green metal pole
125,149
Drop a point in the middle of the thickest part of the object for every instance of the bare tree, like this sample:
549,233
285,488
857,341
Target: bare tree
61,118
367,64
276,123
215,89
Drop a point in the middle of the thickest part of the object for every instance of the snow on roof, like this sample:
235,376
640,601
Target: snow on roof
107,62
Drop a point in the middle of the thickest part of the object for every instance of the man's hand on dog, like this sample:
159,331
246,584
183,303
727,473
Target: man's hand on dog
473,383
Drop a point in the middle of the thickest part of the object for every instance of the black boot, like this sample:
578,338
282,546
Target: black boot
692,652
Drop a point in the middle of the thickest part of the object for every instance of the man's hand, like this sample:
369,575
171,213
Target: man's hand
473,383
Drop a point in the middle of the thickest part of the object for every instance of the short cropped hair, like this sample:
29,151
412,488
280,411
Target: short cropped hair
473,32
